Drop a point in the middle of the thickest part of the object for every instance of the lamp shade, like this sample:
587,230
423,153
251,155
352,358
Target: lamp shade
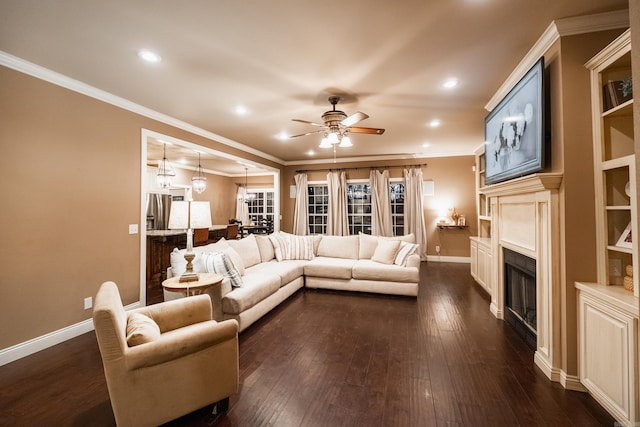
186,215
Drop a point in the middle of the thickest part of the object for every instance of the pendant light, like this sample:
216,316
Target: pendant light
198,180
248,197
165,171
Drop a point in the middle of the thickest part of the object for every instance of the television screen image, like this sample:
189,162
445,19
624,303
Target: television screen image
515,130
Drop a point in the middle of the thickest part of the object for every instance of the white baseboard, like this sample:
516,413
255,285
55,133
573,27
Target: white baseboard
24,349
458,259
571,382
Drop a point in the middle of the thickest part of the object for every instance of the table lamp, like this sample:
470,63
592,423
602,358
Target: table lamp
189,215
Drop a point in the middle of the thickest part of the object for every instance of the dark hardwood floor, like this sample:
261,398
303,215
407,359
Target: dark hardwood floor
339,359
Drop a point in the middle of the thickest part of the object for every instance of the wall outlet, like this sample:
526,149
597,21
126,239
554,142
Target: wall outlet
438,248
133,228
88,303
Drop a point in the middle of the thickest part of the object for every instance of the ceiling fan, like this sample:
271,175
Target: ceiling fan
337,126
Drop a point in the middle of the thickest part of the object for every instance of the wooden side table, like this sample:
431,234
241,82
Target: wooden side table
205,281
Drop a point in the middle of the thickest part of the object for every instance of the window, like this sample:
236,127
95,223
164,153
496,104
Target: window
318,208
261,206
358,208
397,208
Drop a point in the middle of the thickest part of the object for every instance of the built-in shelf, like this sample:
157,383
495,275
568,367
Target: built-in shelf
451,226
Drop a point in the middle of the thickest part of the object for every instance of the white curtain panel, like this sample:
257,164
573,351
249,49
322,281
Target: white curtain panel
242,210
413,209
380,203
337,221
301,212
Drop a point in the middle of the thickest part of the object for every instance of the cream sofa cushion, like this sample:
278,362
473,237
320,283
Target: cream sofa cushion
248,250
370,270
335,268
256,287
141,329
367,245
404,251
288,270
386,251
266,248
345,247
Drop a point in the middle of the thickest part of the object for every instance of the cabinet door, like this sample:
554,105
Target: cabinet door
474,260
486,278
607,357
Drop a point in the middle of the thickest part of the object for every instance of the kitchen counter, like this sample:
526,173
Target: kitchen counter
165,233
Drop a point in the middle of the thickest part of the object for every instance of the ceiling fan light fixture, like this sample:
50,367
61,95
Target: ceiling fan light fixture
325,143
333,138
346,142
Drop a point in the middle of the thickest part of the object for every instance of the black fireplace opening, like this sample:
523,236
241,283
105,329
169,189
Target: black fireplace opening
520,295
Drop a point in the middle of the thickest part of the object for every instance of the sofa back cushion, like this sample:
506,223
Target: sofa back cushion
266,248
292,247
338,247
367,245
248,250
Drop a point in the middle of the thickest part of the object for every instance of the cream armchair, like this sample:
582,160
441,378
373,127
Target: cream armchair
191,363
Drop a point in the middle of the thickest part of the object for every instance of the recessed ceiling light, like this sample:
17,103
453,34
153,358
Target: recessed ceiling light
241,110
450,83
311,153
434,123
426,145
149,56
282,136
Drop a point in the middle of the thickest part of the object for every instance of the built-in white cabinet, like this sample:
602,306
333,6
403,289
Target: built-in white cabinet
481,245
608,348
608,309
481,260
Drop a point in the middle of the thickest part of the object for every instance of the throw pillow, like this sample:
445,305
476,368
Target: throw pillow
300,247
280,246
404,251
220,262
386,251
141,329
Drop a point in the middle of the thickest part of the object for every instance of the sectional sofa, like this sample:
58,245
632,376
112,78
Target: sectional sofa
262,271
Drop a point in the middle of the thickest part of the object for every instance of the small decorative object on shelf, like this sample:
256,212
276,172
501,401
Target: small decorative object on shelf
453,213
462,220
628,279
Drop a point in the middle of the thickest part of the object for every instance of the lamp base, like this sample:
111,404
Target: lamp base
188,277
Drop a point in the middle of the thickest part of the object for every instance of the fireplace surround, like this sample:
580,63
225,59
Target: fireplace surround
525,218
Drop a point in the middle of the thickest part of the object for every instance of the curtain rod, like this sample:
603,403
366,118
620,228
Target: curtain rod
356,168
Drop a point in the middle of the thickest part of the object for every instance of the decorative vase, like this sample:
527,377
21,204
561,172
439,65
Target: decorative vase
628,283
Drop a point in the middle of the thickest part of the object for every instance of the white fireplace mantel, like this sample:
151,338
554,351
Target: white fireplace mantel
525,217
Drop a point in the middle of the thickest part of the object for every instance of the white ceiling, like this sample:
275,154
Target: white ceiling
282,59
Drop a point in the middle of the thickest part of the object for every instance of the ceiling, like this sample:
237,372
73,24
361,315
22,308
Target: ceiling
282,59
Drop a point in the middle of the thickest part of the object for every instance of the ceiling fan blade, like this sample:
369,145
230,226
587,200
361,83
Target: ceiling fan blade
308,133
371,131
307,122
353,119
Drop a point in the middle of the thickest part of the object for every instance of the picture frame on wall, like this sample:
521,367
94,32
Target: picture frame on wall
625,240
515,142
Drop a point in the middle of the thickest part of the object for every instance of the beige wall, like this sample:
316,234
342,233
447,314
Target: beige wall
71,170
454,187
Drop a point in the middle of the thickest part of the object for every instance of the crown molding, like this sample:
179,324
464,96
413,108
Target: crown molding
61,80
375,158
559,28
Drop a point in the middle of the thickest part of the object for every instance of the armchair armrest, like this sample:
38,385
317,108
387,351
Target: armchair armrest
413,260
179,313
181,342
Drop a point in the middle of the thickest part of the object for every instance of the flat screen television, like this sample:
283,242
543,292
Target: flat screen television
515,141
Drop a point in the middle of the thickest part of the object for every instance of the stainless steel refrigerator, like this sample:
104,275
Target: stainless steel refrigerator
158,207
